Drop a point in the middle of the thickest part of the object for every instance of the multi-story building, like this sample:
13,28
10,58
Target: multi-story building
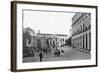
81,31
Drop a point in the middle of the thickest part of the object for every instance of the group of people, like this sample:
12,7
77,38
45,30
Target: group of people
42,53
47,49
57,53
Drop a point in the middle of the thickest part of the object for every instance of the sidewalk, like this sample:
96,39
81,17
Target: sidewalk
80,49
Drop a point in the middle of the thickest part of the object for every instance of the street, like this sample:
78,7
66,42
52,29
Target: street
69,54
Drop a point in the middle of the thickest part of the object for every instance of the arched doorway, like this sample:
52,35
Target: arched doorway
86,42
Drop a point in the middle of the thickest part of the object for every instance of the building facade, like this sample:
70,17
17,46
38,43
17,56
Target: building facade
33,42
57,39
81,31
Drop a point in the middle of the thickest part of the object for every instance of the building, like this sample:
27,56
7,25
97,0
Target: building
61,39
57,39
33,42
81,31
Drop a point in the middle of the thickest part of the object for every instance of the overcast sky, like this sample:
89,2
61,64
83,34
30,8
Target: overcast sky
48,22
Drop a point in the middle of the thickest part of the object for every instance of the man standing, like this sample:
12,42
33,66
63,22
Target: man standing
41,55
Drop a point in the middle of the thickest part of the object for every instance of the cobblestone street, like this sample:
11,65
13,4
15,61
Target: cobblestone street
69,54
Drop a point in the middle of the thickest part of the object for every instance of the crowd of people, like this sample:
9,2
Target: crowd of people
56,52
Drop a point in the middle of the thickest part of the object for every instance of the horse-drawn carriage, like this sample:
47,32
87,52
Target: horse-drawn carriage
58,52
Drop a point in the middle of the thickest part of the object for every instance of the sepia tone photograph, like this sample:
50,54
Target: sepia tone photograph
56,35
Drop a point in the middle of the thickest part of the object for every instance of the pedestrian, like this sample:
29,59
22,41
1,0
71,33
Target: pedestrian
62,52
58,52
41,55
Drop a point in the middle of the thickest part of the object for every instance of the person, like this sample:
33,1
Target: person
58,52
62,52
55,52
41,55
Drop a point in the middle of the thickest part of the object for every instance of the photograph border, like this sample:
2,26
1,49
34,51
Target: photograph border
14,34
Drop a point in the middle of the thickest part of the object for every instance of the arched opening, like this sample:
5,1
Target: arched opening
89,41
86,42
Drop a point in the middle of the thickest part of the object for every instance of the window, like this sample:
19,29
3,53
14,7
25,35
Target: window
63,40
81,28
89,26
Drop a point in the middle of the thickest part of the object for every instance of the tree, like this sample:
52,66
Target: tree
27,35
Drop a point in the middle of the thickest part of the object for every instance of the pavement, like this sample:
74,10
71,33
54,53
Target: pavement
69,54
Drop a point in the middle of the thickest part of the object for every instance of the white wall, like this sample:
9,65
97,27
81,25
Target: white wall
5,37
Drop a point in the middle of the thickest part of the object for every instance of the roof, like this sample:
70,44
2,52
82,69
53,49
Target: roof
54,34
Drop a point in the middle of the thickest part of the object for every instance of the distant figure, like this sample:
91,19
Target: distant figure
62,52
56,52
41,55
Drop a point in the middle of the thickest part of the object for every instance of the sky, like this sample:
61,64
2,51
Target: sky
48,22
